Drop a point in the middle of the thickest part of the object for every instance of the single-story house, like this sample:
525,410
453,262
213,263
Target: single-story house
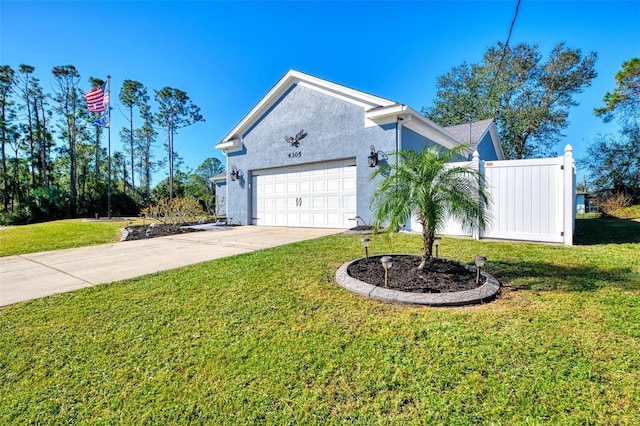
587,202
304,155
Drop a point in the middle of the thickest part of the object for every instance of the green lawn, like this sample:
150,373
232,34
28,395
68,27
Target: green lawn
268,338
57,235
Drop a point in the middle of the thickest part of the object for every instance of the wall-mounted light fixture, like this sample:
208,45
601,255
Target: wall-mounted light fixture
235,173
373,157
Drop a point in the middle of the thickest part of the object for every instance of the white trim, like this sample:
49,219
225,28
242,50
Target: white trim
230,145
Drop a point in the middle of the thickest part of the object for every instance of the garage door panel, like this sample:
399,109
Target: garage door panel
319,203
334,202
305,219
269,217
292,203
306,187
305,202
349,202
349,184
334,220
334,185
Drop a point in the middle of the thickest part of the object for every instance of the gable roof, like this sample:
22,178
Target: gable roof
291,78
477,132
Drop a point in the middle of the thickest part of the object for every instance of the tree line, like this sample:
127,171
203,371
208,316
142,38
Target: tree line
530,98
53,160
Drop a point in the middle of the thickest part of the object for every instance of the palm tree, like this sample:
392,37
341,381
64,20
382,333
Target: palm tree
422,184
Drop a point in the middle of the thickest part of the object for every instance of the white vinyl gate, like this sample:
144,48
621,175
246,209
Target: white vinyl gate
531,200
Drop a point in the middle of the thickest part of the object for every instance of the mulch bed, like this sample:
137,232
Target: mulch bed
440,276
361,228
139,232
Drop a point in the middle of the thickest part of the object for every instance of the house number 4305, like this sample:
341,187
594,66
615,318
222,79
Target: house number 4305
295,154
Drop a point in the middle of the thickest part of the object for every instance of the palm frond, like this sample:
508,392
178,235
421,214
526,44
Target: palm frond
426,185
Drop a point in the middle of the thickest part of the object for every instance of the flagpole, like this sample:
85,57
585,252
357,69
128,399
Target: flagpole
109,149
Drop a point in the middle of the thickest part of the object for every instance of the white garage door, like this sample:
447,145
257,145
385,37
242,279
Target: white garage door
317,195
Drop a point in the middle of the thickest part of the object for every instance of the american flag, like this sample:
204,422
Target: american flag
98,98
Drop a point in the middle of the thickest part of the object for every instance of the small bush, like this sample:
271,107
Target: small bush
613,204
18,217
174,212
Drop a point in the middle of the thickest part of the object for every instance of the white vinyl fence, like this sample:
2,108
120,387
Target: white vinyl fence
531,200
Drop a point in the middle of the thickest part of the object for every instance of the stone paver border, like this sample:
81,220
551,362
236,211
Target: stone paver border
484,293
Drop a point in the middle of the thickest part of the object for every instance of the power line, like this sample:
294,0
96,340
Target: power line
515,16
505,47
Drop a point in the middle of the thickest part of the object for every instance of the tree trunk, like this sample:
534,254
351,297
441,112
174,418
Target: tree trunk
27,99
133,173
72,160
147,171
5,186
427,246
45,148
41,145
124,175
170,163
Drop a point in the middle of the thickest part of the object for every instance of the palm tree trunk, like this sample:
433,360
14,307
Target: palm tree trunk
427,247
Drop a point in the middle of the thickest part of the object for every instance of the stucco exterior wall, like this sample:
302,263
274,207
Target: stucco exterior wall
486,149
335,130
414,141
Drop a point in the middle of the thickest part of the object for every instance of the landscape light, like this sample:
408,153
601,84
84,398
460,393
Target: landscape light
436,242
365,243
480,262
387,262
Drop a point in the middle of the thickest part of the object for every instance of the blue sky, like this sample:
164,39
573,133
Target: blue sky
227,55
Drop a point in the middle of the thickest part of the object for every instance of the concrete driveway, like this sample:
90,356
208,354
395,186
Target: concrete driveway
31,276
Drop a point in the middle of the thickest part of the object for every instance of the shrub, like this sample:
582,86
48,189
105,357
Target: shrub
174,212
18,217
612,205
